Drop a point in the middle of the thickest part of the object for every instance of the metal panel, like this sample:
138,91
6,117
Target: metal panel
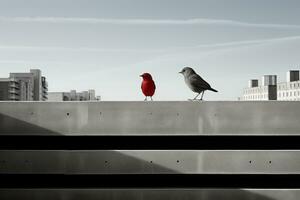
149,194
150,162
146,118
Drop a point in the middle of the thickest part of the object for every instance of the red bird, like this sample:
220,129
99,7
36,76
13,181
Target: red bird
148,86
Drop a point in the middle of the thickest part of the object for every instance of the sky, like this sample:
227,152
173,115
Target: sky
106,44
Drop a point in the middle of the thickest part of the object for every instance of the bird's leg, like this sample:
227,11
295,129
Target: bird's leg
196,96
202,95
145,98
151,99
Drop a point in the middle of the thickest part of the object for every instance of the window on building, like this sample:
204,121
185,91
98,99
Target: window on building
65,98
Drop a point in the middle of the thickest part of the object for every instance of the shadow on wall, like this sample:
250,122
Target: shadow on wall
134,194
10,125
201,194
113,162
13,126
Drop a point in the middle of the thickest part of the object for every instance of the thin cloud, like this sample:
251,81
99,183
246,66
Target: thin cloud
249,42
160,50
33,62
76,49
196,21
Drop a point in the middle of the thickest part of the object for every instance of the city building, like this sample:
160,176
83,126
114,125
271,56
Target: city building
289,90
31,86
10,89
271,90
266,91
73,96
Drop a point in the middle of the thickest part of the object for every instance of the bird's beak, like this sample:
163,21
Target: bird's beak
180,72
141,75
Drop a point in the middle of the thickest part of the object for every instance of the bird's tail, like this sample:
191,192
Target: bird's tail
212,89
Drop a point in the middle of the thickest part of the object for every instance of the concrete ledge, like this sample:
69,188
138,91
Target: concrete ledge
148,118
150,194
114,162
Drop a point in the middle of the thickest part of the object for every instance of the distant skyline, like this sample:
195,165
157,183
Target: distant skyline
106,45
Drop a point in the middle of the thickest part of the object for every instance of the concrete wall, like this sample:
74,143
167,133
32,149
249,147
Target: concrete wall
149,194
272,117
149,162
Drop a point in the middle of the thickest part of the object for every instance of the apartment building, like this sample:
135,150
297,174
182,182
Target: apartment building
73,96
271,90
31,86
289,90
266,91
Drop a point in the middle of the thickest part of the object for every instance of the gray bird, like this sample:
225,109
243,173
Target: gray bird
195,82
